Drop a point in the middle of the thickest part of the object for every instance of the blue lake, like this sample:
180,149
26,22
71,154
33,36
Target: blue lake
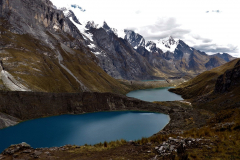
151,80
83,129
157,94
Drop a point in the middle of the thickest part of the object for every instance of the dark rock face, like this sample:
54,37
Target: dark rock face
28,14
229,79
31,105
181,50
136,40
119,60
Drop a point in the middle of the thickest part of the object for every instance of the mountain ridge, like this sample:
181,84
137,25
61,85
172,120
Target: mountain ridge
149,61
57,46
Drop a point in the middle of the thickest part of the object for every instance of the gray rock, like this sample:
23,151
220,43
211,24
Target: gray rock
172,147
47,153
24,144
1,157
161,148
27,151
37,153
15,155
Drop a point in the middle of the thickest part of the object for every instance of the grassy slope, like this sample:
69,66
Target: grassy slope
40,72
203,83
223,128
199,90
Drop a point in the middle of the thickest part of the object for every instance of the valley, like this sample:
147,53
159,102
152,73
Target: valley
56,63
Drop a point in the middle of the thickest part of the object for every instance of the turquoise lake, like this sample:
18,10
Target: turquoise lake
157,94
151,80
83,129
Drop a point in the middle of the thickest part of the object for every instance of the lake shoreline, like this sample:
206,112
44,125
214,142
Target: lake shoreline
75,103
93,128
87,102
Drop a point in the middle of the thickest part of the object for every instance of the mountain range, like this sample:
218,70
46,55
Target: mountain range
165,58
45,49
48,49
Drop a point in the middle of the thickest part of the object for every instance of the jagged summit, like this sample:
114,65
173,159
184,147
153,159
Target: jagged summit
135,39
108,29
167,44
150,46
168,41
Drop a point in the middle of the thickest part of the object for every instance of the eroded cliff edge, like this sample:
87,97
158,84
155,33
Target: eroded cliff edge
31,105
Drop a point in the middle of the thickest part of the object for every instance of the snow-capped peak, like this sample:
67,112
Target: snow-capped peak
167,44
150,46
135,39
80,15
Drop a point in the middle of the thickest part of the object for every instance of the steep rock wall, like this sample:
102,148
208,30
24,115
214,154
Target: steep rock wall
31,105
229,79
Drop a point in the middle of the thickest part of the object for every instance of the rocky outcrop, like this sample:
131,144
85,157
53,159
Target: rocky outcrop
179,145
9,81
7,121
229,79
26,148
26,15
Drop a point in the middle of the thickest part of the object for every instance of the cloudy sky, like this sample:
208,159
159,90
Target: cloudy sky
211,26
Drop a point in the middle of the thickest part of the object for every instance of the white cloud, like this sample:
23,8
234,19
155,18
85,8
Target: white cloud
198,22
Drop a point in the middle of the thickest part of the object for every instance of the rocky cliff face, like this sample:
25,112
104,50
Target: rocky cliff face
7,121
119,59
31,105
136,40
228,80
43,50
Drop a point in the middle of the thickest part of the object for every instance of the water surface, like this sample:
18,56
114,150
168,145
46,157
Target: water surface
152,80
83,129
157,94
